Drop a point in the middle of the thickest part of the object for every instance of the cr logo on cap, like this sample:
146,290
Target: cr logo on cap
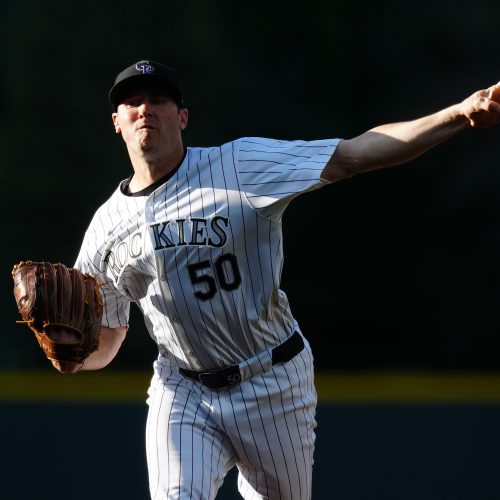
144,67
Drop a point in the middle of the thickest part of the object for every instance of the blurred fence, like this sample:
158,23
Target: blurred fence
379,437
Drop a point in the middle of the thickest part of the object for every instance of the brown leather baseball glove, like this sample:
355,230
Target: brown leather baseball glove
62,306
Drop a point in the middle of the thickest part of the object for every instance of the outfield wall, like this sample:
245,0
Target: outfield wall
380,437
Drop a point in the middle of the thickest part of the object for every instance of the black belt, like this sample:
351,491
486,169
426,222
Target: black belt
231,375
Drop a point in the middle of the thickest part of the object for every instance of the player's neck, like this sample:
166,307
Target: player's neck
148,169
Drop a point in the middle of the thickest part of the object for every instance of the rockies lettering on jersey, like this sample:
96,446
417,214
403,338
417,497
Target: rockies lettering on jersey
199,230
202,232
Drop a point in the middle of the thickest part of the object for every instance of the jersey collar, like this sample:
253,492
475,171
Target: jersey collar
124,185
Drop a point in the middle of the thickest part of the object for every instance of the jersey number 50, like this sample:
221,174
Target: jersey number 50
225,269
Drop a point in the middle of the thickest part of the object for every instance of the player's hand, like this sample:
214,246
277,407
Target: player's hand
65,337
482,109
66,366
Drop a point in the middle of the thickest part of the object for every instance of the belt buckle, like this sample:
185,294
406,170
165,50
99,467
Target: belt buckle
234,375
221,378
205,378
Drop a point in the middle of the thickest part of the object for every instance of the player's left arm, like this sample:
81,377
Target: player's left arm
397,143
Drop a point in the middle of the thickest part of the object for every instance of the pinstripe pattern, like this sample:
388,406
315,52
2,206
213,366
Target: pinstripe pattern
201,256
264,426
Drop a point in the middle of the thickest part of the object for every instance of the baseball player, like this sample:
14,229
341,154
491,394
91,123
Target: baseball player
193,238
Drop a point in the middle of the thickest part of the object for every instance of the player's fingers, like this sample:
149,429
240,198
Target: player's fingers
494,92
485,104
480,103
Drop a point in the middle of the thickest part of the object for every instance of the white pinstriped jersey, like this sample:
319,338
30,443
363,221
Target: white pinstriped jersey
202,254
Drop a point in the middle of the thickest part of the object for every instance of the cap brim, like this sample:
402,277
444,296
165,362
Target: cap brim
120,90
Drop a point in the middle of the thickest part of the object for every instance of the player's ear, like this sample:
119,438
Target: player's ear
114,116
183,118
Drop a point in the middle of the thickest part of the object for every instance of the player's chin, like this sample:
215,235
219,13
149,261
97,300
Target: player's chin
66,366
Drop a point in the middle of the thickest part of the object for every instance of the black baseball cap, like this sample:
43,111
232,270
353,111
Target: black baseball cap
146,73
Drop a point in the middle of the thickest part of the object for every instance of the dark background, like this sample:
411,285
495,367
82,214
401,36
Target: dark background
392,270
362,453
396,269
